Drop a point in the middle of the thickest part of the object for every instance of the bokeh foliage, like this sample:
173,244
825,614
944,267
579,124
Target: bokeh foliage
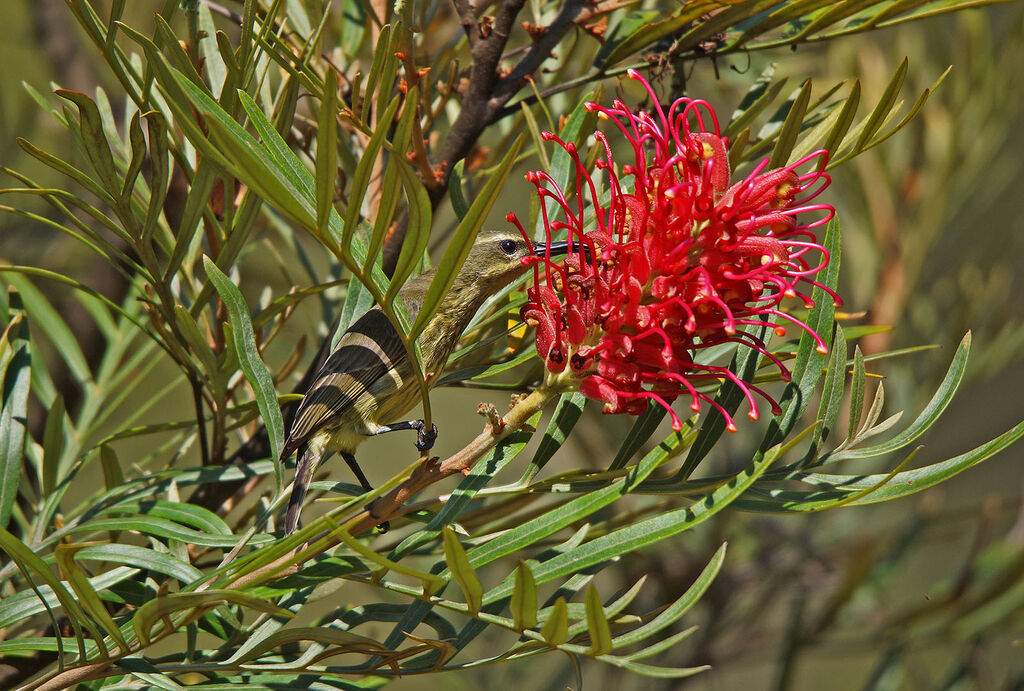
219,137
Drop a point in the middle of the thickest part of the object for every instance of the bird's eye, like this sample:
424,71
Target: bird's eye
508,247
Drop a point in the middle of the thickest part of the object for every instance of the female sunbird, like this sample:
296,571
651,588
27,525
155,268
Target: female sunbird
368,382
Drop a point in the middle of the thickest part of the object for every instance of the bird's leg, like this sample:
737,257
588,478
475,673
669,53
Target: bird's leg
424,437
365,484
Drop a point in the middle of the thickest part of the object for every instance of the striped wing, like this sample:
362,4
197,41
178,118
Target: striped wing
366,353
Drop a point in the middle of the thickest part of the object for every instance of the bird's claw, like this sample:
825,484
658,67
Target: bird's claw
383,526
425,438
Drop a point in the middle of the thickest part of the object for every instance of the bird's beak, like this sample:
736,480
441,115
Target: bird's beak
557,248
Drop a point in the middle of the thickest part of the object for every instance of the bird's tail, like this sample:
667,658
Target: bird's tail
304,469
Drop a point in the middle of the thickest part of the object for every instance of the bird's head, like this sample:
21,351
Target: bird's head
496,258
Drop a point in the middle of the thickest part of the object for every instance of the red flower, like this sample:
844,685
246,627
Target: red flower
672,259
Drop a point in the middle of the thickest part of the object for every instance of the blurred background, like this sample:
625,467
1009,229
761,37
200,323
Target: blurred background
922,593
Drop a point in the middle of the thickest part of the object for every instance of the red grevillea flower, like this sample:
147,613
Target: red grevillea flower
671,259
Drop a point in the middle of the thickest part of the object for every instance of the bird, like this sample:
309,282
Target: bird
367,383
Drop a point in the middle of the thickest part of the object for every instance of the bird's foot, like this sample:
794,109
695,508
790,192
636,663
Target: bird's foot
383,526
425,438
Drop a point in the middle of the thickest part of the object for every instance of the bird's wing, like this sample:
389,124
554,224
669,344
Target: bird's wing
370,350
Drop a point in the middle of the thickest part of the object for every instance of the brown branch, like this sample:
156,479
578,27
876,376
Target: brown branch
467,17
486,94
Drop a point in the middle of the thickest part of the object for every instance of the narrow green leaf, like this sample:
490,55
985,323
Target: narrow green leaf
53,444
86,594
556,629
197,343
46,318
392,171
524,598
327,152
149,673
159,173
417,233
929,416
97,148
597,624
334,638
884,106
658,672
361,178
137,139
643,533
857,384
459,204
744,363
810,360
140,557
164,528
15,382
567,414
256,372
162,607
681,606
431,582
639,433
662,645
552,521
832,390
198,517
462,572
791,127
462,239
844,120
759,96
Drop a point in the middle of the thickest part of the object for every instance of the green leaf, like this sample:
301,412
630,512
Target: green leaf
87,595
658,672
643,533
361,178
431,583
97,148
462,239
639,433
809,362
531,532
459,204
244,342
567,414
53,445
791,126
857,383
147,672
327,152
677,609
524,598
53,325
459,566
162,607
140,557
417,233
15,382
929,416
597,624
35,569
556,629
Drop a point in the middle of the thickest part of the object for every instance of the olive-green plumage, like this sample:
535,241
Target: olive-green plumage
368,381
